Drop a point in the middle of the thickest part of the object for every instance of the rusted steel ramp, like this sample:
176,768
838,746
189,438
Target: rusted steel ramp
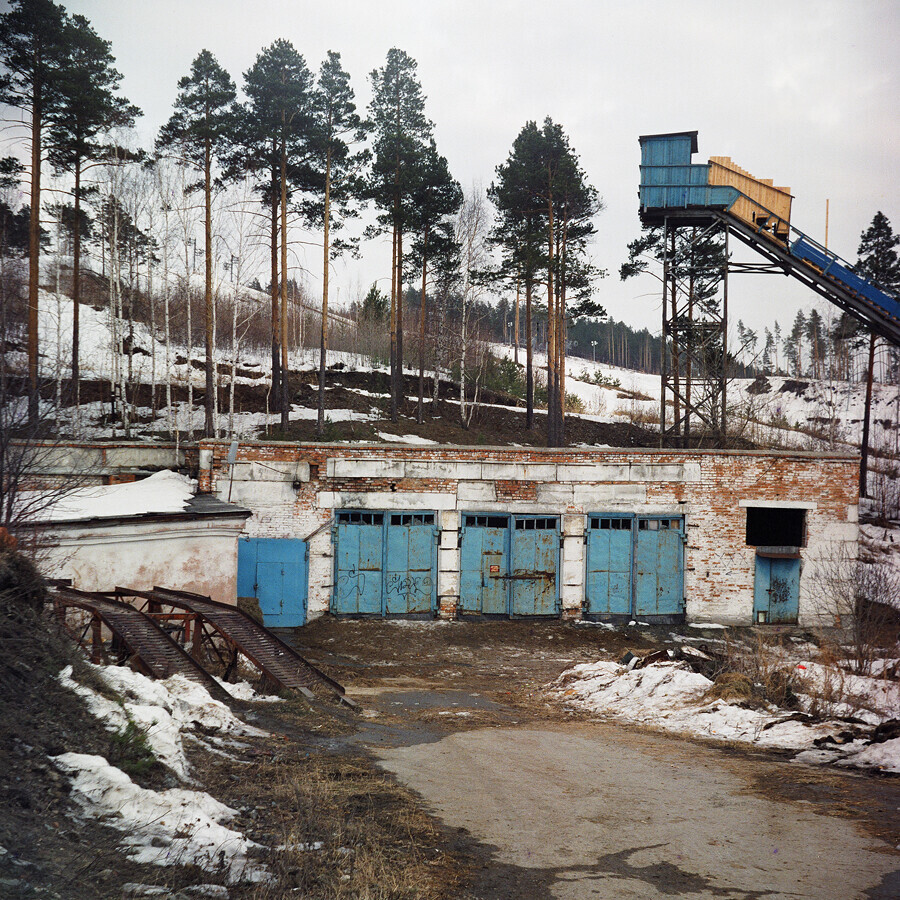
278,661
138,638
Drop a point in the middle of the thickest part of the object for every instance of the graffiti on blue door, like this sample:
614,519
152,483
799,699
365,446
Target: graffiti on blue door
509,565
275,571
385,563
634,566
776,590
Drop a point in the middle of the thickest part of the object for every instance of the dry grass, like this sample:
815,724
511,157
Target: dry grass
338,828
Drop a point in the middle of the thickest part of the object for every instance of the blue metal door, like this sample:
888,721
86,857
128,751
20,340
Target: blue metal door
776,590
659,566
410,585
275,571
359,550
535,559
608,566
484,565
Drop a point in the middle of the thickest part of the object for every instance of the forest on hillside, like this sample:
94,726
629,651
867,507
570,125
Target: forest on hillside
195,238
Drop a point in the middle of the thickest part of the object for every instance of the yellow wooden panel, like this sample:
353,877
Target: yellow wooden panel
761,198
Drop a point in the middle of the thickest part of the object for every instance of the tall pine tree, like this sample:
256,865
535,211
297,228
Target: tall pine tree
401,132
879,263
201,129
280,119
436,196
336,129
32,51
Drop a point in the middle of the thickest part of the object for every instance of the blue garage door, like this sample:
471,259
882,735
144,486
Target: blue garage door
776,590
275,571
634,566
484,565
385,563
535,558
659,567
608,566
410,586
359,548
509,565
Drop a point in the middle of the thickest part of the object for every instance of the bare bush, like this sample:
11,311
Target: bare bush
859,598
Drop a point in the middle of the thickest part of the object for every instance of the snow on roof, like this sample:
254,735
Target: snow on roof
162,492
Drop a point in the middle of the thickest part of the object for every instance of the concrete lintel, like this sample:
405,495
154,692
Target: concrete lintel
443,469
365,468
476,491
592,472
779,504
402,500
503,471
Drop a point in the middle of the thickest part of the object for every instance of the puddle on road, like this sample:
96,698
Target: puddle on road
443,700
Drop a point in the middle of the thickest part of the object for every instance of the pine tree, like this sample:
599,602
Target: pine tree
337,127
815,336
435,197
519,234
280,89
87,107
32,51
202,128
878,262
401,132
793,345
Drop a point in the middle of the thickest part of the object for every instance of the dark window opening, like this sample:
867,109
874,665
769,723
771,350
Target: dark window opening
604,524
535,524
412,519
359,518
471,521
775,527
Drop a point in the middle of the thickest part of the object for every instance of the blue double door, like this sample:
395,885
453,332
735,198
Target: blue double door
385,563
275,571
634,566
509,565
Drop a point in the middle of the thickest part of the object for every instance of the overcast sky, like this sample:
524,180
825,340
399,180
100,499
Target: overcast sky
802,92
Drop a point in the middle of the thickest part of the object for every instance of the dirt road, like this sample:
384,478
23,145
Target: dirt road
566,808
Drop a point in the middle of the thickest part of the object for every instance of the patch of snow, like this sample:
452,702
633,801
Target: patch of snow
669,696
241,690
173,827
162,492
404,438
161,709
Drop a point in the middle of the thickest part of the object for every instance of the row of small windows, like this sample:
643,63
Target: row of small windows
412,519
548,523
485,521
535,524
658,524
610,524
359,518
377,518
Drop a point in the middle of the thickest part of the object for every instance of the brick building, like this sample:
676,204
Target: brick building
616,534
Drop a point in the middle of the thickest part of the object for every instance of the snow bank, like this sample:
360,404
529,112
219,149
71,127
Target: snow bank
667,695
163,710
174,827
162,492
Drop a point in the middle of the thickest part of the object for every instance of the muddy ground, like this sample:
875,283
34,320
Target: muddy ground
428,790
458,712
